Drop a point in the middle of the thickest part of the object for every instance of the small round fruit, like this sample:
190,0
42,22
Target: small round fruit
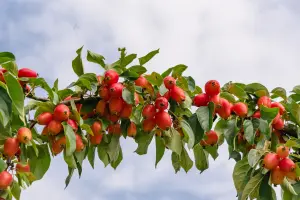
6,180
100,107
126,111
167,95
224,108
212,138
277,176
61,113
115,105
54,127
149,124
20,167
163,120
287,165
45,131
169,82
115,90
264,101
79,143
212,88
271,161
111,77
96,127
240,109
114,129
27,73
279,125
149,111
141,81
96,138
215,99
283,151
104,93
256,114
44,118
177,94
161,103
24,135
201,100
73,124
59,145
11,147
131,130
278,105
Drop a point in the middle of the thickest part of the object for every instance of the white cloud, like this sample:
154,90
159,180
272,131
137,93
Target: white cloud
237,40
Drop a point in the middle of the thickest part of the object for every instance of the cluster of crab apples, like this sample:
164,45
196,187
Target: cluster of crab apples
280,165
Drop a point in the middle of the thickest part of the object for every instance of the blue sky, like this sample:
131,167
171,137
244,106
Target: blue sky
238,40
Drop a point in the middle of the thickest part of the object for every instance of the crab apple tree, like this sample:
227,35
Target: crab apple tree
260,127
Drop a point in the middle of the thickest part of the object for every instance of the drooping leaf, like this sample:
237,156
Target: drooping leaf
185,160
204,117
77,63
252,188
91,155
40,164
2,165
71,139
115,163
143,140
201,158
254,156
249,131
5,107
287,187
16,190
102,153
188,133
68,179
174,142
160,149
196,127
266,192
240,171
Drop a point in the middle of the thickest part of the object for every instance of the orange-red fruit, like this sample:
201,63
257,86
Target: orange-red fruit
167,95
278,105
131,130
111,77
177,94
215,99
279,125
79,143
96,138
126,112
201,100
44,118
240,109
161,103
287,165
283,151
45,131
141,81
2,71
59,145
24,135
115,90
104,93
212,88
264,101
115,105
169,82
61,113
149,124
100,107
28,73
271,161
275,120
6,180
114,129
54,127
224,108
22,167
291,175
149,111
73,124
11,147
163,120
256,114
113,117
277,176
212,138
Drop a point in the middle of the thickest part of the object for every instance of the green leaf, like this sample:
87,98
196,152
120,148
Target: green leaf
178,70
191,83
249,131
116,162
160,149
237,91
130,75
40,164
196,127
294,110
240,171
6,57
213,151
279,91
228,96
175,161
11,67
127,60
230,130
95,58
2,165
77,63
91,155
252,188
87,128
167,72
87,81
204,117
62,94
40,82
5,107
154,79
68,179
16,94
257,89
79,157
296,89
174,142
268,113
102,153
70,160
201,158
266,192
114,148
185,160
128,96
254,156
71,139
188,133
287,187
143,140
138,69
16,190
148,57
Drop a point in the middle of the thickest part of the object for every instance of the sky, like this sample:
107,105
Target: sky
232,40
